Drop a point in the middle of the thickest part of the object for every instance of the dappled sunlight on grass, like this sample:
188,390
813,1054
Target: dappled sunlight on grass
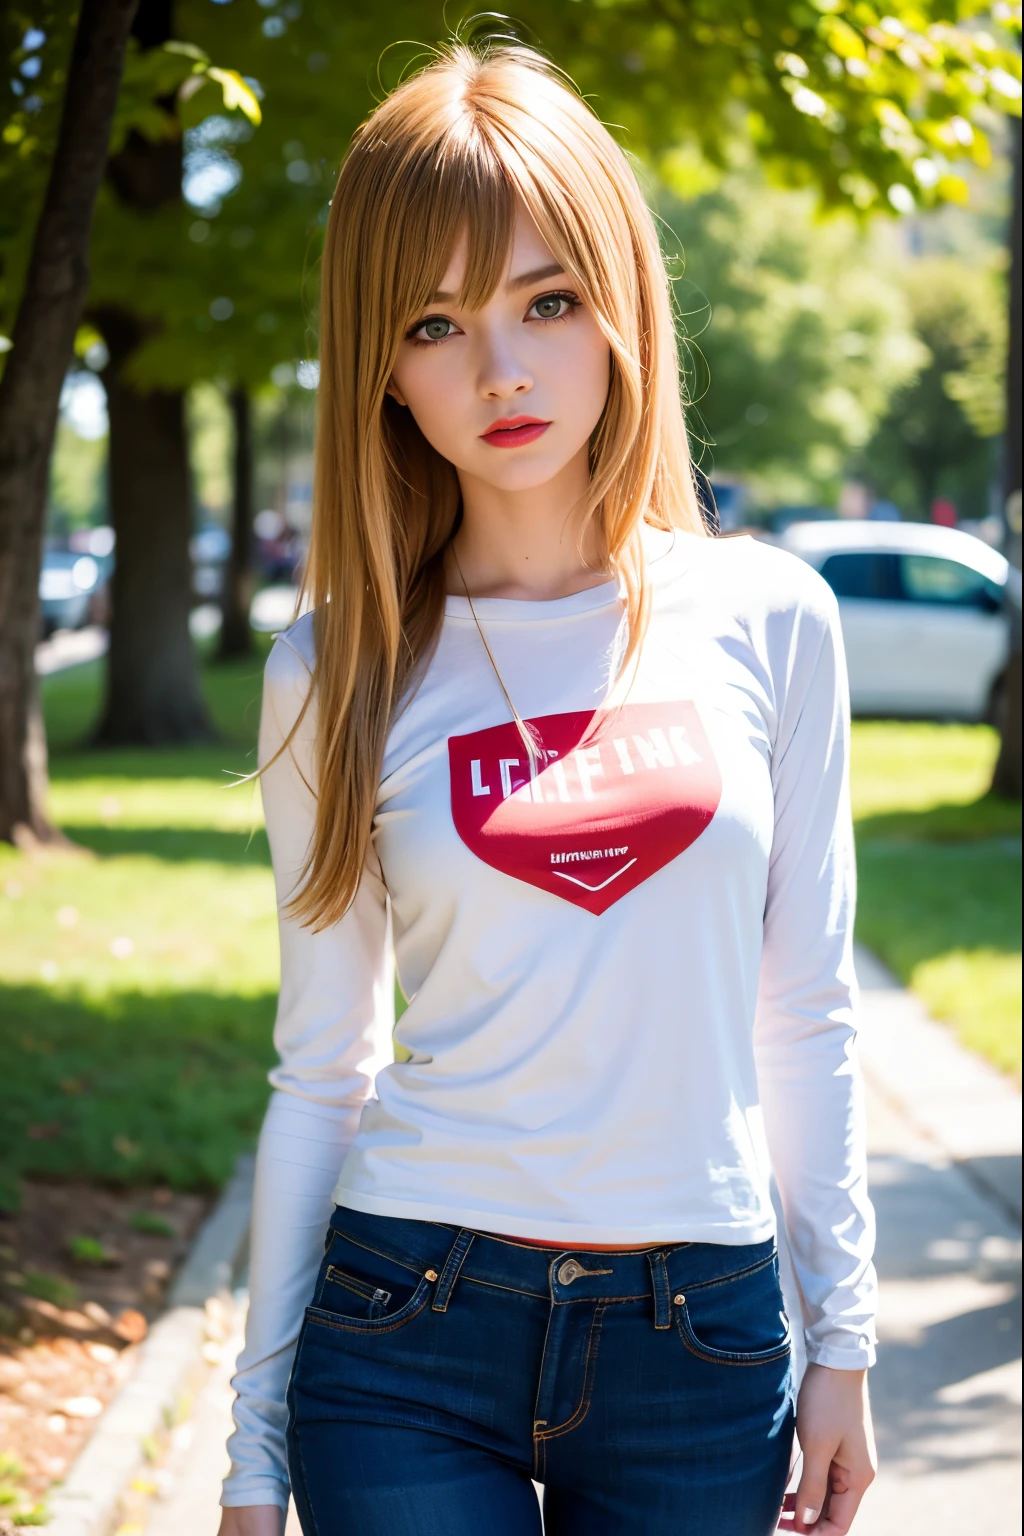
939,868
900,765
981,990
128,1086
140,968
116,800
137,922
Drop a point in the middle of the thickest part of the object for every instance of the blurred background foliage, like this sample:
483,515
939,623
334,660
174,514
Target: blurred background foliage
819,346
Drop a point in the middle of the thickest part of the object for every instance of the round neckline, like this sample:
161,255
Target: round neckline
527,610
523,610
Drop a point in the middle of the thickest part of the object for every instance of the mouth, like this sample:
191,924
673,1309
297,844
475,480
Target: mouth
514,431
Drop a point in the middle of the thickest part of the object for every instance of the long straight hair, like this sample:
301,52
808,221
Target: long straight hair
450,152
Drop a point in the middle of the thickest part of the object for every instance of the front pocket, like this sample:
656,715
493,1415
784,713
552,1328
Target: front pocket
382,1322
360,1288
736,1321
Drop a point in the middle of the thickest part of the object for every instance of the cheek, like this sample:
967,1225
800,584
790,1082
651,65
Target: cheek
432,387
584,375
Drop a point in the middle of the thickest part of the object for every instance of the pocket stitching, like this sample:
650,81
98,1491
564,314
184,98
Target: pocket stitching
361,1288
685,1329
380,1253
404,1315
737,1274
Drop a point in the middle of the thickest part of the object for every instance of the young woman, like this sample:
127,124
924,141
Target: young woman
582,771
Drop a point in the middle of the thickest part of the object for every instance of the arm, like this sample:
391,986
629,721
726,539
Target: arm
811,1092
333,1034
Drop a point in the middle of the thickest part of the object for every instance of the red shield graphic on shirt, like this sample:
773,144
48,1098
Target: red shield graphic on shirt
615,795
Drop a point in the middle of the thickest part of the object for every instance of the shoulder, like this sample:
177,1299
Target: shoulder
762,584
288,674
292,657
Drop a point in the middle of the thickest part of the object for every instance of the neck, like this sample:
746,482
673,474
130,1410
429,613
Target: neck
526,544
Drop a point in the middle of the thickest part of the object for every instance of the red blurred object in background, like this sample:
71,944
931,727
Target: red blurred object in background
943,512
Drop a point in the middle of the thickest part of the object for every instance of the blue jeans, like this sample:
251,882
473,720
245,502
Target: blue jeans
439,1370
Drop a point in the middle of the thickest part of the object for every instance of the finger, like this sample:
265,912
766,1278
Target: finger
812,1491
842,1507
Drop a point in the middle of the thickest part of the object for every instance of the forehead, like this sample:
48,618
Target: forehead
527,249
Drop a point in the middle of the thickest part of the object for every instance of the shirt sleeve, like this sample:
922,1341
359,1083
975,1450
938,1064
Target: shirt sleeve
332,1034
805,1026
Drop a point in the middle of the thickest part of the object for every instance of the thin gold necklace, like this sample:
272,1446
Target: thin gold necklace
530,739
528,733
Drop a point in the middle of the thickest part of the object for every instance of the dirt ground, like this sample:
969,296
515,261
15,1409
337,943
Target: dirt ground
83,1271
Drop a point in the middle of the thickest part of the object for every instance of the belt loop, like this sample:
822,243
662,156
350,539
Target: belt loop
450,1273
659,1285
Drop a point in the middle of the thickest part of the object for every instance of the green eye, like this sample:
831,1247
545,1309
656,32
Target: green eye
436,329
549,307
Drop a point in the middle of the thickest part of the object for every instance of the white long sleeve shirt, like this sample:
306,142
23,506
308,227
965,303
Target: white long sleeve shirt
630,977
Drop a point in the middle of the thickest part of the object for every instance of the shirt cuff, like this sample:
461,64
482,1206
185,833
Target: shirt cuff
242,1492
841,1357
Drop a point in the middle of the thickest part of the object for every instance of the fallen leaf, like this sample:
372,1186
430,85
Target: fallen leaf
131,1325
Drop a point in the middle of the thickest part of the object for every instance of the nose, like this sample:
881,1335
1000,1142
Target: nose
501,373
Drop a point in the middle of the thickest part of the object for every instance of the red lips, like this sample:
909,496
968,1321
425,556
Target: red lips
512,431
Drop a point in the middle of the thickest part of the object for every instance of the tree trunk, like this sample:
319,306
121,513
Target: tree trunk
154,695
235,634
56,286
153,688
1006,779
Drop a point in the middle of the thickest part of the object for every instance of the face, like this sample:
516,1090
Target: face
509,393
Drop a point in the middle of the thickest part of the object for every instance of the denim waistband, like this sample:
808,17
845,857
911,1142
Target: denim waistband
549,1273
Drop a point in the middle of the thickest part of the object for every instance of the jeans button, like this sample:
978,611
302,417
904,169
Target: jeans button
569,1271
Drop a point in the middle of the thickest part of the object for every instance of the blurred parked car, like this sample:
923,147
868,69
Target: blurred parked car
69,589
210,548
922,611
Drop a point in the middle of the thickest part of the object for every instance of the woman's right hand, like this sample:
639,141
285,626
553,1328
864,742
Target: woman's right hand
252,1520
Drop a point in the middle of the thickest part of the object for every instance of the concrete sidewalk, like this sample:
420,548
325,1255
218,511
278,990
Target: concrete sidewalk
945,1141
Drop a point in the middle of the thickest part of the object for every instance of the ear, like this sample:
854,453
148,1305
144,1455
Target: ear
392,389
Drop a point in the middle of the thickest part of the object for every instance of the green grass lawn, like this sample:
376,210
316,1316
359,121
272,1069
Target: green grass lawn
940,878
139,974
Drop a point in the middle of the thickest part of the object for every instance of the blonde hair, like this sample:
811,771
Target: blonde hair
451,150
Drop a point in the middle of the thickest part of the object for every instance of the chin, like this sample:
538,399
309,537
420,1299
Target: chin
524,475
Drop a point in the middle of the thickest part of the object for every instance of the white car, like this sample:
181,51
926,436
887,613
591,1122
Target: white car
922,610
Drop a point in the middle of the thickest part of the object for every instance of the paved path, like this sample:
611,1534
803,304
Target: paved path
944,1137
945,1142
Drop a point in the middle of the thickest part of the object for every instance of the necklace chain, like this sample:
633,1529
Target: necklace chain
524,730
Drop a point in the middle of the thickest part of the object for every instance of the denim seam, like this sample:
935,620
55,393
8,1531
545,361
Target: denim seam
583,1407
290,1394
381,1253
737,1274
511,1290
305,1489
603,1301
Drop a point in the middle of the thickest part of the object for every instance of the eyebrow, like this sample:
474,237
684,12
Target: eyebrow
524,280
